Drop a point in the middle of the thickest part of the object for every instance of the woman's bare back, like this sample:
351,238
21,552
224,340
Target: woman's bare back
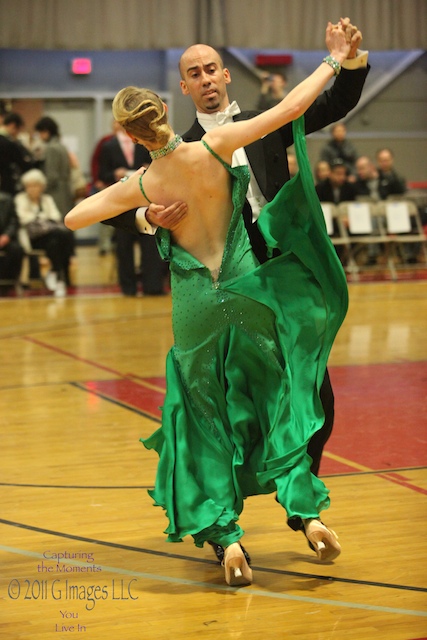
193,175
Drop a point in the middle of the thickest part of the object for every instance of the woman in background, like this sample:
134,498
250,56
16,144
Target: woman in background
55,164
39,216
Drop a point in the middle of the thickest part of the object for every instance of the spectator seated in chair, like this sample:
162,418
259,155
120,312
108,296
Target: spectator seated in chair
39,216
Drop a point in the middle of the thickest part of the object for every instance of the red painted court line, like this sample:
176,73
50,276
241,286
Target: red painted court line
405,482
155,381
144,398
71,355
402,276
398,477
407,485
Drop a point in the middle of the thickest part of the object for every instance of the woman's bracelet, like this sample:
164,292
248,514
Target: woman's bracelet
333,63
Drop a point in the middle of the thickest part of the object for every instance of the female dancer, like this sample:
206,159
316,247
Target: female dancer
250,341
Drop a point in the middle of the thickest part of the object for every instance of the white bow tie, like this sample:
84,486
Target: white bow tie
223,116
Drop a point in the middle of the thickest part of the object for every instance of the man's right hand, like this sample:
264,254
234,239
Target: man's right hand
356,37
166,217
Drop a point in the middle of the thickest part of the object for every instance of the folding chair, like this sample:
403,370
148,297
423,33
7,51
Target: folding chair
338,234
366,227
29,252
403,227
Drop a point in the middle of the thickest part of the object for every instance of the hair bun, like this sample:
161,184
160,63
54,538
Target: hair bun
142,113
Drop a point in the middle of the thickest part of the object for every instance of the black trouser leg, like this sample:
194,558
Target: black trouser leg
58,245
152,266
319,439
11,262
126,262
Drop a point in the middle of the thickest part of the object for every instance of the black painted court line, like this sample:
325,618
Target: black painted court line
116,402
125,547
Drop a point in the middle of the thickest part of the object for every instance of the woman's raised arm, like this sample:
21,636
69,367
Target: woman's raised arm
226,139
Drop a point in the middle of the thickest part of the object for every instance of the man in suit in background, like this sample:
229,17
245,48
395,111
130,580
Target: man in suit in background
390,182
15,159
204,78
118,158
337,188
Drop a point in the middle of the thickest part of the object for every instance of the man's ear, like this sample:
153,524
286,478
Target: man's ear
227,76
184,88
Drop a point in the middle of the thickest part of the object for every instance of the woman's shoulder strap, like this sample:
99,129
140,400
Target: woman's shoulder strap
215,155
142,188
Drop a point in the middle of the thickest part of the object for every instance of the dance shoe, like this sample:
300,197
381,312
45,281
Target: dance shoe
219,552
237,571
322,540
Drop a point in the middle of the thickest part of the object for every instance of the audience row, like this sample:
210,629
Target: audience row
38,186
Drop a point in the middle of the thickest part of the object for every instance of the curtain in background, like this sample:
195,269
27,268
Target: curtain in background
164,24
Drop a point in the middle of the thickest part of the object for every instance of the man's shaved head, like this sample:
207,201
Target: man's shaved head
204,78
198,51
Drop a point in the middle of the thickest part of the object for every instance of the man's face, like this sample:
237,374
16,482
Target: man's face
44,135
13,130
323,170
204,78
338,176
339,132
364,168
385,160
278,82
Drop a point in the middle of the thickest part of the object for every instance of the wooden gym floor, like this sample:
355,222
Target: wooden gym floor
82,551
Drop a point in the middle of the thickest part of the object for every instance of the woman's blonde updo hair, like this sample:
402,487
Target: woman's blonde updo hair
142,114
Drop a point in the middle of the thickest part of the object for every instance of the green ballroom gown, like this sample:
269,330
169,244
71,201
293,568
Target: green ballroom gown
249,357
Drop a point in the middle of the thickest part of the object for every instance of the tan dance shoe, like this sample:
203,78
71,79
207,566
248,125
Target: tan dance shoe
237,571
324,541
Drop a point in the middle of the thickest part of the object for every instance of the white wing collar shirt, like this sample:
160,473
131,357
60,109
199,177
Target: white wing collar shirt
210,121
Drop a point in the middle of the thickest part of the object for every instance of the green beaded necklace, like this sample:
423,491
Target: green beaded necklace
168,148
